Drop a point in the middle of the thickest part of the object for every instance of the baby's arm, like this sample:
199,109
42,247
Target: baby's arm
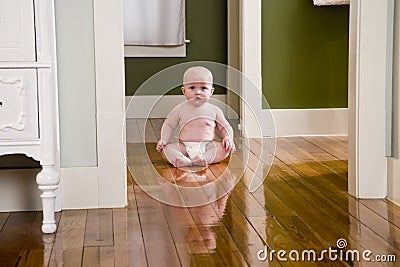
226,131
169,125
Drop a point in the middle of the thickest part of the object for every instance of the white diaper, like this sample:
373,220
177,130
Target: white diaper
195,149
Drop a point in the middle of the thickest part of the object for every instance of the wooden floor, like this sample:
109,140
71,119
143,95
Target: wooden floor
301,205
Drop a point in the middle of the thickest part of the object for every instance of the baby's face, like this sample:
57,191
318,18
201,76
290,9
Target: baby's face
198,93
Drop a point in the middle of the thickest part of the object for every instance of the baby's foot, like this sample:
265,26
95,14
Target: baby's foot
198,161
182,162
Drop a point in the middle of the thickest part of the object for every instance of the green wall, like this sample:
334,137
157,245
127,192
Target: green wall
206,28
304,54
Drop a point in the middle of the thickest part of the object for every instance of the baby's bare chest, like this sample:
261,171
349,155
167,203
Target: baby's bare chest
199,123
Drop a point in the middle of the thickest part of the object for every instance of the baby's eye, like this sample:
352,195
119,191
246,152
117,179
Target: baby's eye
191,87
204,88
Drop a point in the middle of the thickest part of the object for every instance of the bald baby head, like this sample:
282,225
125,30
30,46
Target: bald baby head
197,74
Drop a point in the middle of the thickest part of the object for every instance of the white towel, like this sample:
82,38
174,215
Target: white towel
154,22
331,2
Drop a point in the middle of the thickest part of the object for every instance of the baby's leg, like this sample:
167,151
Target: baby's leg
176,155
215,153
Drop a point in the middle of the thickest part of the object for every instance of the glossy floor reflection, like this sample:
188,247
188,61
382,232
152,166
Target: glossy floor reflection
301,205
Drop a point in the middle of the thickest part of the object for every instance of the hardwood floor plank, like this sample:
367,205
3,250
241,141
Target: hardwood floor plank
309,193
99,256
129,178
242,198
108,258
99,228
188,238
384,208
307,239
331,145
312,169
371,241
160,248
315,156
343,139
68,244
129,247
243,233
28,258
13,235
37,246
326,182
91,256
36,249
226,249
386,230
3,218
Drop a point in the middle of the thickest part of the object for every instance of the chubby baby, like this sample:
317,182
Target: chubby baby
198,121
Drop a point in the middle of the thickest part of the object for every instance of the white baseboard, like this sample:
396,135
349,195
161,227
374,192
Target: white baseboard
80,187
83,188
394,201
138,107
296,122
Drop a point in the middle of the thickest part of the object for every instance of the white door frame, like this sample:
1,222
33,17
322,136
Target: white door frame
368,70
110,103
250,51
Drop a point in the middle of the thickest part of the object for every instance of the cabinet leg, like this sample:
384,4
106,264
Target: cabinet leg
47,181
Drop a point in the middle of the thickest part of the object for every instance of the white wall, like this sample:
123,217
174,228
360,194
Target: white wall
76,79
394,162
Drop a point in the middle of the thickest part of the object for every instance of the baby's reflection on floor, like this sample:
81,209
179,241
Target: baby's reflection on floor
195,225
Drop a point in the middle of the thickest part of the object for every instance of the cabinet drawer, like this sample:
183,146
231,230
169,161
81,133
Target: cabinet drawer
17,30
18,104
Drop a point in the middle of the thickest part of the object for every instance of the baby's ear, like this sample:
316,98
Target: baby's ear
183,89
212,90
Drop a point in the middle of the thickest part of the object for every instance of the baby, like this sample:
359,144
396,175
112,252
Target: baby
197,120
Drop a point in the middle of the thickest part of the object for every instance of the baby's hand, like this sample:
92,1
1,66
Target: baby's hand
228,144
160,145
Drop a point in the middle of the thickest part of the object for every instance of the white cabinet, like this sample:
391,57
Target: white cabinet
28,92
17,30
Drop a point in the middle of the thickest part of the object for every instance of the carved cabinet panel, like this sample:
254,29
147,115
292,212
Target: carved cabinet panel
18,104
